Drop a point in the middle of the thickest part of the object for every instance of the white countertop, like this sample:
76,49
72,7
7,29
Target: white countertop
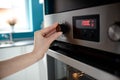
17,43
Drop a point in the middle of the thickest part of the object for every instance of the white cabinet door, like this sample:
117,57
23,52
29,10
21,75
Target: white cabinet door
6,53
37,71
33,71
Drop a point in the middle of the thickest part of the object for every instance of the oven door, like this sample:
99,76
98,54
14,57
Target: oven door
58,70
64,63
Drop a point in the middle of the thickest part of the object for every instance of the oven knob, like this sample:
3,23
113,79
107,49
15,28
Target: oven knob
63,27
114,31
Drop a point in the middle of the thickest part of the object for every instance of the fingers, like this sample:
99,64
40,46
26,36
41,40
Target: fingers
50,33
54,36
49,29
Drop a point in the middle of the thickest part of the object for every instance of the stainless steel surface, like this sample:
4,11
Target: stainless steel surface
92,71
109,14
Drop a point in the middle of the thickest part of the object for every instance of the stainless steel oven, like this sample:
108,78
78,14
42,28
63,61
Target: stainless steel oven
90,45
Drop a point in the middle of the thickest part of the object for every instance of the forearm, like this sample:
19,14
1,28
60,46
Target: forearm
16,64
42,41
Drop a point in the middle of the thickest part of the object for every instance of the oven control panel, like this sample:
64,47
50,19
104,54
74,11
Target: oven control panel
90,27
86,27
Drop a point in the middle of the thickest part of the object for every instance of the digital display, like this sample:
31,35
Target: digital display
86,27
86,23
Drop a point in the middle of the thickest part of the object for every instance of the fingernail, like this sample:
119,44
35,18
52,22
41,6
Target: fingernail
60,32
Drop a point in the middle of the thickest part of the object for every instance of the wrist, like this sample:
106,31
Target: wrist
36,55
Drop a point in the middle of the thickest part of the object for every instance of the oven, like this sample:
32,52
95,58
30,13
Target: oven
89,48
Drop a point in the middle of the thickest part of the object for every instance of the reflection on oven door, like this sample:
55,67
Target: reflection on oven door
58,70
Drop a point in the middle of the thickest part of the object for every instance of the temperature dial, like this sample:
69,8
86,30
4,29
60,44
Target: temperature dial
63,27
114,31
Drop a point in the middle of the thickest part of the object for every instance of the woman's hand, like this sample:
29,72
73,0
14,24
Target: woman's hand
43,39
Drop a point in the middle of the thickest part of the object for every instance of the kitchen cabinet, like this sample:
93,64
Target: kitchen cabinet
37,71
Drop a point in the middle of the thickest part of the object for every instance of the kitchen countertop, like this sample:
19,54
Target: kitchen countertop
17,43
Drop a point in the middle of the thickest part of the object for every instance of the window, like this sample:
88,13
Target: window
21,17
15,17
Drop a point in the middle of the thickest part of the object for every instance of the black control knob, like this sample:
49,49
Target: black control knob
63,27
114,31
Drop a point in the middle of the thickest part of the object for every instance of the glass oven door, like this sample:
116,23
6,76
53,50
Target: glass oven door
58,70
